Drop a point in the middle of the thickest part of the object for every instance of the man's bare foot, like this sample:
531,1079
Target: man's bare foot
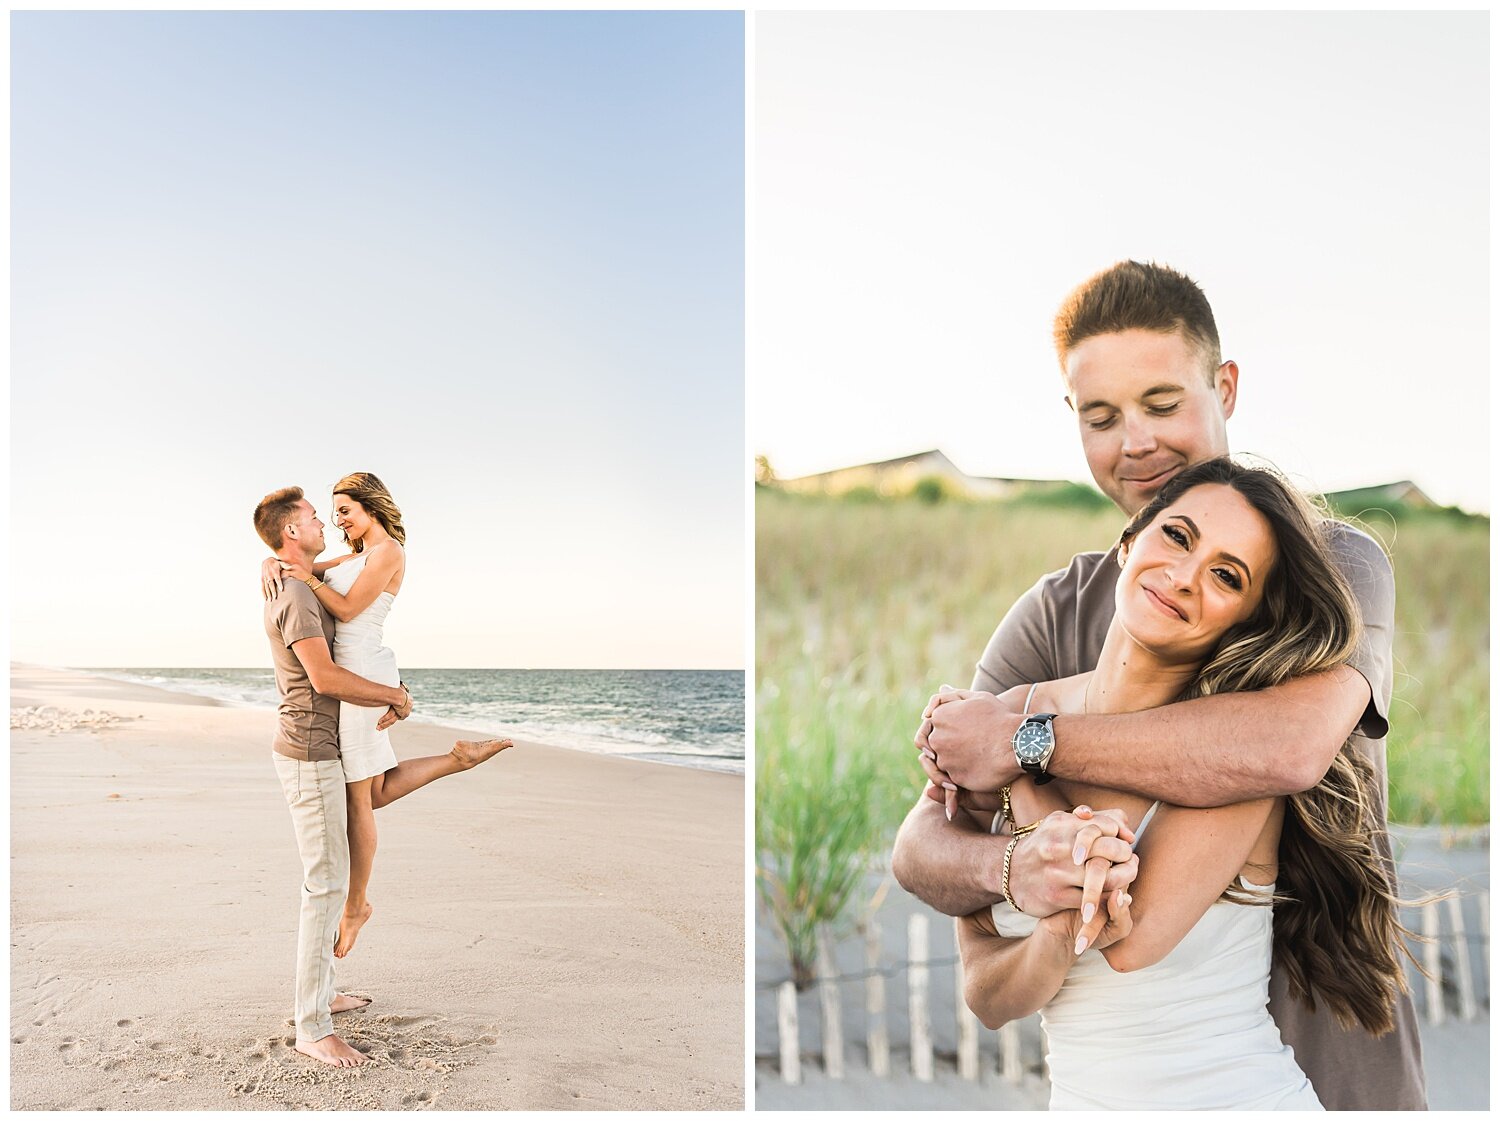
333,1051
349,926
343,1002
471,753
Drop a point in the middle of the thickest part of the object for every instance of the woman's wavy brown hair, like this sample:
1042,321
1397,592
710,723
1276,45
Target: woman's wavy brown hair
1337,930
372,494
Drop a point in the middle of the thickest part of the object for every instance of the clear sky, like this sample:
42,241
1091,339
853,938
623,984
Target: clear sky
928,187
495,258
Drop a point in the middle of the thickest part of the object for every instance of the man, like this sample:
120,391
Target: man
306,752
1139,351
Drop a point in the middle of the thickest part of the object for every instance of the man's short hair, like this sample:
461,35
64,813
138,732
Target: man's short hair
275,512
1132,296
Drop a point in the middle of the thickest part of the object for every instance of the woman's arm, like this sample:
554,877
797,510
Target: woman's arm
1188,857
271,572
1008,978
384,562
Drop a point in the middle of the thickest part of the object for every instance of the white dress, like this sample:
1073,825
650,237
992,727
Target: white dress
1190,1032
357,647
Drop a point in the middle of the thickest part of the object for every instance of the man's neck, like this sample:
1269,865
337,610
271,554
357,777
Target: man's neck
293,555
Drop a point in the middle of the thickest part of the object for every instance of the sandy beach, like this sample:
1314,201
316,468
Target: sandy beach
554,930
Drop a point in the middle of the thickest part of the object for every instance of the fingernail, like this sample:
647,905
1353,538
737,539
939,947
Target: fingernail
1088,911
949,786
1080,945
927,751
1125,899
1079,853
949,811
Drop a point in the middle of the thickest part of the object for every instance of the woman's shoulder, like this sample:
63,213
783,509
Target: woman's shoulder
389,549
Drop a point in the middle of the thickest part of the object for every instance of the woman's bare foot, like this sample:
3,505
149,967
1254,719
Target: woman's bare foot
471,753
333,1051
343,1002
349,926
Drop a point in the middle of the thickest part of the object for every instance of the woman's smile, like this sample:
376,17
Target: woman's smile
1164,605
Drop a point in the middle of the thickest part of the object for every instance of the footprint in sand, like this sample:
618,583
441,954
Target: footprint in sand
123,1023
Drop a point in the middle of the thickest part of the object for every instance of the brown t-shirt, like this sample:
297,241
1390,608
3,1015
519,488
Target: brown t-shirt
1057,629
307,725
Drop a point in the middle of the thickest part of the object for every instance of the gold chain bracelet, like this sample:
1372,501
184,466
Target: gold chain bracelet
1005,874
1009,815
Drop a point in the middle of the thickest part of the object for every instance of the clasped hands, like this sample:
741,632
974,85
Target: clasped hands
1061,871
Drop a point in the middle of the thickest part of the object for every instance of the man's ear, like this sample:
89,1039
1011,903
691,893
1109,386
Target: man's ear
1227,386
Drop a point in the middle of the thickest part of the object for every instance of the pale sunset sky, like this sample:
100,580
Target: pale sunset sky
927,187
495,258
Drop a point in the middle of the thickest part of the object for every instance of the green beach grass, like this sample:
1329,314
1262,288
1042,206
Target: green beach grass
864,608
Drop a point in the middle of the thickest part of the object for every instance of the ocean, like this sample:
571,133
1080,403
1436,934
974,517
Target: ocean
692,718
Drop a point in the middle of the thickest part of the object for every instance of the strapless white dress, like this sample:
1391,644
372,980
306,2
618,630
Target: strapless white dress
357,647
1190,1032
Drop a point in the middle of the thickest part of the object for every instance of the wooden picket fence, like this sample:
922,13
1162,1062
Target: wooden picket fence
1445,953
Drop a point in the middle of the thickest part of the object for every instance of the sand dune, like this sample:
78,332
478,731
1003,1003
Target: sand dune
552,930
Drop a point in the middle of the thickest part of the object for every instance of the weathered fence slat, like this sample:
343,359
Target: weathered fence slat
1467,1006
1010,1052
877,1035
786,1024
968,1027
1432,953
921,1013
828,1002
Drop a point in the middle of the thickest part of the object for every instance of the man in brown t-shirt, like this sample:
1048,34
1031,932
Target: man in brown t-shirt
306,753
1135,344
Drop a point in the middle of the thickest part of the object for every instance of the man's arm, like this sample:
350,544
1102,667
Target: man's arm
334,681
956,869
1211,751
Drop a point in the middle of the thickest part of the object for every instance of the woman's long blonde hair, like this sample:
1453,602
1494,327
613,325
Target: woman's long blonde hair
1337,932
372,494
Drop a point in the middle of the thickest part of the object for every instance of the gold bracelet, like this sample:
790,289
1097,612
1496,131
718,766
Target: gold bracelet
1010,816
313,582
1005,874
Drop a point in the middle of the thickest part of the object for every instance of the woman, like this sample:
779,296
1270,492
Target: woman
1226,584
359,590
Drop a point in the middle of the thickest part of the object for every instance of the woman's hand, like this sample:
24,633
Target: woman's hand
1110,925
270,577
295,572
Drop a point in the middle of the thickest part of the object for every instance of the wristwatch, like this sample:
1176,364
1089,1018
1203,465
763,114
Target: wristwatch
1034,742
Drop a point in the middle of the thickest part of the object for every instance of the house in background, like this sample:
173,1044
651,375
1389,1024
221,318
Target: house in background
892,478
895,478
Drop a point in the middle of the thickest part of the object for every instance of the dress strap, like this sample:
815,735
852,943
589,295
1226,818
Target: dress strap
1145,821
1026,709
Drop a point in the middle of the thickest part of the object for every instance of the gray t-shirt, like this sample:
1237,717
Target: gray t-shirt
307,725
1057,630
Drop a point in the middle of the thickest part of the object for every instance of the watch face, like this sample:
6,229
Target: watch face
1032,742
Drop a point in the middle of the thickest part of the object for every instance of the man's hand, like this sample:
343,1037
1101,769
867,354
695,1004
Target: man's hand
967,734
1070,861
402,711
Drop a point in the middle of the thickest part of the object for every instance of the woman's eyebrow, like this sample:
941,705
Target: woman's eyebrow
1230,557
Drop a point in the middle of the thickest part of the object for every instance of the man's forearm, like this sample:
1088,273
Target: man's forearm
948,866
1217,750
342,685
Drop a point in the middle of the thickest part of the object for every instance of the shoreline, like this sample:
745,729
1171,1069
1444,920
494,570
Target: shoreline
736,765
555,929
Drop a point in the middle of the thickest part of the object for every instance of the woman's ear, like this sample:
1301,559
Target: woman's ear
1122,548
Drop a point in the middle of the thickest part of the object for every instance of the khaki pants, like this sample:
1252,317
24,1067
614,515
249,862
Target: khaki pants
320,819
